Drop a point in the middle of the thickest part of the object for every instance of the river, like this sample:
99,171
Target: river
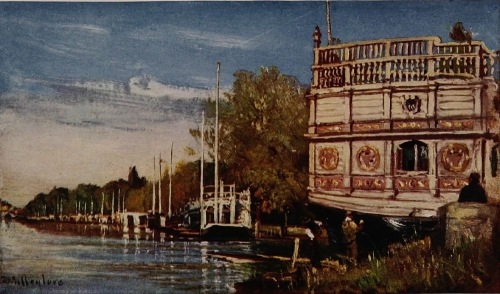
31,259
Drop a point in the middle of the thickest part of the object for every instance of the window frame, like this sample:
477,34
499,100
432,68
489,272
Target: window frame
417,159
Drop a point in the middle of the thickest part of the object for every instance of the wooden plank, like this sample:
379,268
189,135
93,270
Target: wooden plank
377,96
455,99
462,92
329,117
449,113
385,207
455,105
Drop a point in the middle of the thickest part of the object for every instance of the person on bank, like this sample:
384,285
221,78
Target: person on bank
351,230
313,231
473,192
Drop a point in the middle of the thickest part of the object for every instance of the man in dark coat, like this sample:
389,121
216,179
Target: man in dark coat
313,231
473,192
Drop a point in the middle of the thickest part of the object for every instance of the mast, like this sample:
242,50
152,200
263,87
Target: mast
154,184
91,205
118,199
123,206
170,183
113,205
216,148
102,204
159,189
329,23
202,213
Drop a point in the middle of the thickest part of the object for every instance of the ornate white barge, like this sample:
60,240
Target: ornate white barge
397,125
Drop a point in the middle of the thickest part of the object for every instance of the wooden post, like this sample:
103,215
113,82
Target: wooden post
295,251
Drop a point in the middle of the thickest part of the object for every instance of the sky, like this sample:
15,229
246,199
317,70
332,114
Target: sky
89,89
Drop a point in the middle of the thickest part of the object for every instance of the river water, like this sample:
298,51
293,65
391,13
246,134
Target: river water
30,259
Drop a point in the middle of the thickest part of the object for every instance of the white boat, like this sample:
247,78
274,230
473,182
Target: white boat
226,214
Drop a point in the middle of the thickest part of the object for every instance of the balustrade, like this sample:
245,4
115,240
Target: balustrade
400,60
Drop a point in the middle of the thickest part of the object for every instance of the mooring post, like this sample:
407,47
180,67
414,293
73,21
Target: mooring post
295,251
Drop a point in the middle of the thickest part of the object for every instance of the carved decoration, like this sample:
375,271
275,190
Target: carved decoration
368,183
456,124
368,158
411,106
455,157
410,125
329,183
328,158
452,183
411,183
330,129
368,127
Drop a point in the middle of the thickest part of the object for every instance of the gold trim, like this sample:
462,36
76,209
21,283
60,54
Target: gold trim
328,158
455,157
368,158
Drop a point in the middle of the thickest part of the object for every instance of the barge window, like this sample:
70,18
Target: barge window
413,156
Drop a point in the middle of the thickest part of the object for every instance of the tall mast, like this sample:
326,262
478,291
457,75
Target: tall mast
329,23
154,184
202,214
102,204
159,189
216,148
170,183
119,201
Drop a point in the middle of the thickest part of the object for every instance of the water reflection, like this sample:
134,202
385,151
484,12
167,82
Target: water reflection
130,263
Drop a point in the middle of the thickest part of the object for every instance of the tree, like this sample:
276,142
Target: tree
84,195
262,125
185,184
37,206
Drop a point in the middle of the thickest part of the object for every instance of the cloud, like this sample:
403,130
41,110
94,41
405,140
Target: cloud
87,28
135,107
146,86
216,40
192,37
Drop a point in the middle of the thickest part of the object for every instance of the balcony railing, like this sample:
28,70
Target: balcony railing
399,60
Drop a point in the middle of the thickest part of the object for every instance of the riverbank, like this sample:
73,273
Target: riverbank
414,267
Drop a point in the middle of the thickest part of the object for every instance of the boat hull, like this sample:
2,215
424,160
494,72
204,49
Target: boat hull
225,232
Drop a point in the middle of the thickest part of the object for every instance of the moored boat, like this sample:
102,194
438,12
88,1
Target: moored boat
397,125
225,215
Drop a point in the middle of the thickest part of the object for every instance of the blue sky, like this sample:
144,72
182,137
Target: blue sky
53,134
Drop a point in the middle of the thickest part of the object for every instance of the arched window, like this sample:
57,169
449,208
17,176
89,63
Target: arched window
413,156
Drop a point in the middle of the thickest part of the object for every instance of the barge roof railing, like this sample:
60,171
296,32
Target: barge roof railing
398,60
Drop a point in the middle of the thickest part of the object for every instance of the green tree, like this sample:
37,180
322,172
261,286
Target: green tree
55,198
185,184
84,194
36,207
263,120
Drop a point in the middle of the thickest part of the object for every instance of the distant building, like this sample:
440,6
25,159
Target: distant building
397,125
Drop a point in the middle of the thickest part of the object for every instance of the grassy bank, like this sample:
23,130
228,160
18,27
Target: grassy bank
415,267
